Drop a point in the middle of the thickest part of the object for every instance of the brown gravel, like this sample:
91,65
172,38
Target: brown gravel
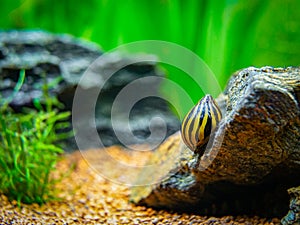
87,198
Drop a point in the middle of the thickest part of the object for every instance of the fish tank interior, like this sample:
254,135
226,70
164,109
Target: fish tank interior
227,35
89,90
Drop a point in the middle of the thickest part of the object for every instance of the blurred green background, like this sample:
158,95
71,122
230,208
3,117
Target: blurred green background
227,34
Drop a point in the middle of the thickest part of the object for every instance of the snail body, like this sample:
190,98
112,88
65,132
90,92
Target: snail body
200,122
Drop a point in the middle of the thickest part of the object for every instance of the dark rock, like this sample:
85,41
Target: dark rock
62,60
2,55
253,157
293,216
140,114
45,58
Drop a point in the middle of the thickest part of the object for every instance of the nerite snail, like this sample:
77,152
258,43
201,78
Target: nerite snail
200,122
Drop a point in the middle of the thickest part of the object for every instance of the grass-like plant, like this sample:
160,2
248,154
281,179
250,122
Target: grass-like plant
28,150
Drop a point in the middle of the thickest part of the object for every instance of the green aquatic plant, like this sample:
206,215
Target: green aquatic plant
227,34
29,150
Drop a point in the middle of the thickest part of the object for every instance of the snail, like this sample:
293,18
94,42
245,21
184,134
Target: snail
200,122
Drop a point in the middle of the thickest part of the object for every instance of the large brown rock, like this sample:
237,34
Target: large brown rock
253,157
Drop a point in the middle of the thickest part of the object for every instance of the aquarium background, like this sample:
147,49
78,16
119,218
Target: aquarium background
227,34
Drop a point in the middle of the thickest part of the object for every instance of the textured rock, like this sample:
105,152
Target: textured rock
41,54
61,60
249,163
293,216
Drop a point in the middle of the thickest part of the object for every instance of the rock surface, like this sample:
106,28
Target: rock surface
43,56
249,163
293,216
61,60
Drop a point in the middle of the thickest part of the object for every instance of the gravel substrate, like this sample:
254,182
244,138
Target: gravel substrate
87,198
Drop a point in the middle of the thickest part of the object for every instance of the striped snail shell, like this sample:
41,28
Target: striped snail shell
200,122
